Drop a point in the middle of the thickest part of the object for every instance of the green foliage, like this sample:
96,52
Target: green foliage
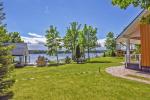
137,49
41,61
145,20
14,37
2,14
3,35
86,39
110,43
53,41
6,66
71,38
82,43
123,4
90,38
67,60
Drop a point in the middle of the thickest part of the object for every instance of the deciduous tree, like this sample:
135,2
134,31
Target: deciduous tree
15,37
53,41
123,4
110,43
71,38
90,38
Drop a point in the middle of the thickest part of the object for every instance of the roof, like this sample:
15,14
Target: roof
130,23
133,25
21,49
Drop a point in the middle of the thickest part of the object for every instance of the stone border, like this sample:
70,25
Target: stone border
121,71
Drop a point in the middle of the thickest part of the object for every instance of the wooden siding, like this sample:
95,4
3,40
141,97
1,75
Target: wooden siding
145,45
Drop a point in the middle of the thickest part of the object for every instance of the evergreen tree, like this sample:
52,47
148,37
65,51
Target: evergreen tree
6,66
2,14
78,53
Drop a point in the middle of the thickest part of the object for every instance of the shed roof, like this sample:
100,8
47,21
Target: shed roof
21,49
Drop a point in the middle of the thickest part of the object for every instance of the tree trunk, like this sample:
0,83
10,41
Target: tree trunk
72,54
88,48
57,58
84,54
88,53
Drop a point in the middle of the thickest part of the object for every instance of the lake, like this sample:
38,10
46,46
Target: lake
33,57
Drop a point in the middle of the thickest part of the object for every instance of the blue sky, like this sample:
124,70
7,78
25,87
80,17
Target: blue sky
31,17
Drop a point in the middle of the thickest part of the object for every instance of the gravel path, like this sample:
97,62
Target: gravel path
121,71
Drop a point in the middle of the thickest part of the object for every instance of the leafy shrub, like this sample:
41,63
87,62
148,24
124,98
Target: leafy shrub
52,63
41,61
67,60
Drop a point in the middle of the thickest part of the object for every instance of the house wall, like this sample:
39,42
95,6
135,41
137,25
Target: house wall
145,45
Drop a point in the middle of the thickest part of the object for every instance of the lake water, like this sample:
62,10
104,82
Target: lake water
33,57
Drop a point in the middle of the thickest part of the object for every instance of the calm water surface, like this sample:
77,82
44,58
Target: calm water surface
33,57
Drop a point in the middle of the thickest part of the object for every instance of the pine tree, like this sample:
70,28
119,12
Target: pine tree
2,14
6,66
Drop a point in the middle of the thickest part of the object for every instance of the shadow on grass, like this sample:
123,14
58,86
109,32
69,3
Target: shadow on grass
99,62
56,65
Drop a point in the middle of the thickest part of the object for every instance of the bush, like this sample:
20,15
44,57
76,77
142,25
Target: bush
67,60
41,61
109,54
52,63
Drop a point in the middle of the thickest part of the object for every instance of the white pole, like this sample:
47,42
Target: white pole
125,60
128,50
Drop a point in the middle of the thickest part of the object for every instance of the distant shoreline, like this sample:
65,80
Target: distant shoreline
60,52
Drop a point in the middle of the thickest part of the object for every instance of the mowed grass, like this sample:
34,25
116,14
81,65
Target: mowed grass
77,82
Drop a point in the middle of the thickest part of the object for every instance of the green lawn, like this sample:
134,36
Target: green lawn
77,82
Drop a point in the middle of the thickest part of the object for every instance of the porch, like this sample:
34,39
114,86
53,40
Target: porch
136,33
21,60
133,61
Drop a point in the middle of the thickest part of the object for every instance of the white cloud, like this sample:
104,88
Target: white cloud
34,39
102,42
35,35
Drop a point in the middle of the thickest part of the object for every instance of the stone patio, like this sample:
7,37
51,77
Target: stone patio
123,72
